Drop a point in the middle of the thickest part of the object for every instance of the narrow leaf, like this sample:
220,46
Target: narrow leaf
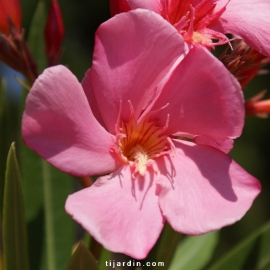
47,188
58,225
194,252
82,259
165,248
9,129
105,256
31,173
2,146
252,253
36,38
14,226
50,229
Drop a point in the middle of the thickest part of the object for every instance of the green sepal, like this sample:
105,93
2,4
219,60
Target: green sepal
82,259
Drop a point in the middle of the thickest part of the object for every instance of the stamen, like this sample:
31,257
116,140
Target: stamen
117,125
131,109
140,142
192,21
167,122
189,33
153,114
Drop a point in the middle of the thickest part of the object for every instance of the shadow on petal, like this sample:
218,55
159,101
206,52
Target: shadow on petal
214,166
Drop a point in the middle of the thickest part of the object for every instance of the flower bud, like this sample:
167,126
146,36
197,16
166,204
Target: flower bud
54,32
258,107
118,6
244,62
9,10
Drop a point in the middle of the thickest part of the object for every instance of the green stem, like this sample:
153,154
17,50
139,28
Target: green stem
48,215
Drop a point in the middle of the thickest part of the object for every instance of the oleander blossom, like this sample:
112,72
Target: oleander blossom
206,22
160,145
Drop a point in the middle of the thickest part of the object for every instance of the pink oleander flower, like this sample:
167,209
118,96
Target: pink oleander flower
159,144
202,21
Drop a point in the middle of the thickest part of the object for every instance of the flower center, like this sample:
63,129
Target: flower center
192,21
197,38
141,142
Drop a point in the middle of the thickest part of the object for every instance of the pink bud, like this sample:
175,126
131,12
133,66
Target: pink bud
9,9
258,107
54,32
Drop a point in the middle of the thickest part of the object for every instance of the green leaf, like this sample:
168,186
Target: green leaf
252,253
31,172
36,37
58,225
9,129
2,93
50,229
105,256
2,146
164,249
82,259
194,252
14,226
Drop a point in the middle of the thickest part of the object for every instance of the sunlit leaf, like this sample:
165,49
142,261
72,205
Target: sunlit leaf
82,259
252,253
14,226
194,252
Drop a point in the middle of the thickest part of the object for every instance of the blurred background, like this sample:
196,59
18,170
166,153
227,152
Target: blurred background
81,19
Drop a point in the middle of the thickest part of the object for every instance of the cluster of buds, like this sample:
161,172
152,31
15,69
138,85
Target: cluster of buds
245,63
14,52
13,49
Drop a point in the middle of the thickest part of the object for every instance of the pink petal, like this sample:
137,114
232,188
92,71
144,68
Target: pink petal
87,87
120,212
207,189
59,125
249,19
133,52
204,99
154,5
225,145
